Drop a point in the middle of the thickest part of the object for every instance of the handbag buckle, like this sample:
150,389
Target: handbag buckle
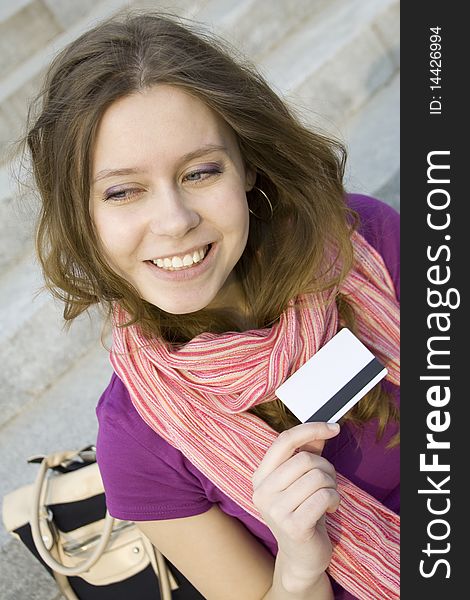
47,527
74,548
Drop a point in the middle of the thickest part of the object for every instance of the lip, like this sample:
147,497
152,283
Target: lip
189,251
186,274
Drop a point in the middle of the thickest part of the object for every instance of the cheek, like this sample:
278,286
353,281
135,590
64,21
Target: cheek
114,235
233,215
243,223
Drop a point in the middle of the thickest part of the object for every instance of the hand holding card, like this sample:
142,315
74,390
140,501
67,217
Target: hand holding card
332,381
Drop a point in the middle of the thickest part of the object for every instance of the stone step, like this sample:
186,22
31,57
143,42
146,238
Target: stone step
275,21
22,577
278,19
26,28
329,67
64,419
18,213
373,136
20,85
75,18
8,8
34,348
24,32
390,190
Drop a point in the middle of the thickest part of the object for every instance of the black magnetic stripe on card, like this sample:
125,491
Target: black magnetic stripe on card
348,391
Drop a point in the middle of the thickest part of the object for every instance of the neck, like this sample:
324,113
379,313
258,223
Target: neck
231,299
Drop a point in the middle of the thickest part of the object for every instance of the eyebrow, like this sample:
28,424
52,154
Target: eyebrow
106,173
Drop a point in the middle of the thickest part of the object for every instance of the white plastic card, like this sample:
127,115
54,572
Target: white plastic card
332,381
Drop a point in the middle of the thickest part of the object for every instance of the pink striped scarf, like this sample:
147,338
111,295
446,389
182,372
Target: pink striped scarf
196,397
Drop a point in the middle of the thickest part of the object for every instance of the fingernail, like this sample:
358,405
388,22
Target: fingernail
333,426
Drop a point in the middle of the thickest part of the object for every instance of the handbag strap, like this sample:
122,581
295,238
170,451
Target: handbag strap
48,462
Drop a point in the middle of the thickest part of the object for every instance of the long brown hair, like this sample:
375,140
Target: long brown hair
301,172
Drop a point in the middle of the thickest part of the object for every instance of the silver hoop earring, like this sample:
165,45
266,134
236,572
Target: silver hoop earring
268,201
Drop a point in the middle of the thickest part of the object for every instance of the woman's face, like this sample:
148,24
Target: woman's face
168,198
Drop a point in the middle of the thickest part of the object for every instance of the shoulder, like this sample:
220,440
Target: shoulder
144,477
380,226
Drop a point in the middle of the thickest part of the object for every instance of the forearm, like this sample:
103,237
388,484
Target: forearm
289,585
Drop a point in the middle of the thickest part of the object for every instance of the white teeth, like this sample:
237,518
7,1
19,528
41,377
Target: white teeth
176,262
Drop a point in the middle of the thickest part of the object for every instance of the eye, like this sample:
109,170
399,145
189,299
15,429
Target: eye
120,194
202,174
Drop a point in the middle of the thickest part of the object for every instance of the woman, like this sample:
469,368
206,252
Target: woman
181,194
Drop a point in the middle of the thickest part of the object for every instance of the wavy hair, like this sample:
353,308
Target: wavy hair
300,170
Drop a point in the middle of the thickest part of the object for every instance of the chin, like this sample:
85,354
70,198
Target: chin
181,309
184,311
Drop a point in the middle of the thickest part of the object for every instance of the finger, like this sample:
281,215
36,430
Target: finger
316,446
293,469
287,443
312,509
302,489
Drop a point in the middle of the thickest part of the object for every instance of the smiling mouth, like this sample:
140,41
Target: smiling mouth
200,257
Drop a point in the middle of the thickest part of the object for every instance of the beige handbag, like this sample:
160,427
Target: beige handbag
73,535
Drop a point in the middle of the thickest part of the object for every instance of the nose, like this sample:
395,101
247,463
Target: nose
172,214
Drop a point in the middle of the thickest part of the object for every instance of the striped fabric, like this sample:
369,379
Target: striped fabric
196,397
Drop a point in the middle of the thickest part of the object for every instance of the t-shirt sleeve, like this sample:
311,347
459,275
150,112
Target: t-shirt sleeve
144,478
380,226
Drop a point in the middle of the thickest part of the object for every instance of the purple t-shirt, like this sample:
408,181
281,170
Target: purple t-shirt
145,478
